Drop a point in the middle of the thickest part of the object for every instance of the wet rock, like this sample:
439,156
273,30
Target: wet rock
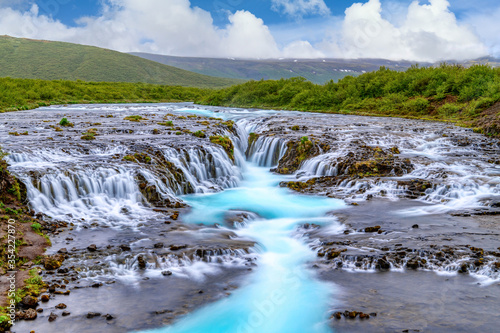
166,273
52,317
52,263
92,248
91,315
61,306
372,229
158,245
29,302
30,314
177,247
337,315
63,251
141,262
415,226
108,317
96,285
175,216
66,313
383,264
63,270
125,247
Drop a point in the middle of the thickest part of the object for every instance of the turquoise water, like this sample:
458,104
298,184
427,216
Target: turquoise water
281,294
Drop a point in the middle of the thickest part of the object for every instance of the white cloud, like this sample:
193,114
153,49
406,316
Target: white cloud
301,49
299,8
425,33
428,33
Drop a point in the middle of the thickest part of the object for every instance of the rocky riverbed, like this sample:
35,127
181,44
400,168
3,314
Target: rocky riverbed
110,188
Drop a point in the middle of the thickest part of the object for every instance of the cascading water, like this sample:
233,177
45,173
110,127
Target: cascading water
103,183
273,300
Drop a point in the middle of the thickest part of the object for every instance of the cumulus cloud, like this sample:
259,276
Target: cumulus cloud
299,8
301,49
428,33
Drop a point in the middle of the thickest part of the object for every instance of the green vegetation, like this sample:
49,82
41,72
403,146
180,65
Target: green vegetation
200,134
46,60
88,136
135,118
448,92
23,94
225,142
65,122
167,123
138,158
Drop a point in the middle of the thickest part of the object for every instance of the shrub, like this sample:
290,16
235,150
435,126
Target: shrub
65,122
200,134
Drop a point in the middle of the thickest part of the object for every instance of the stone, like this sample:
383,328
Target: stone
92,248
415,226
383,264
29,302
141,262
66,313
63,250
109,317
372,229
61,306
91,315
125,247
52,317
30,314
166,273
177,247
158,245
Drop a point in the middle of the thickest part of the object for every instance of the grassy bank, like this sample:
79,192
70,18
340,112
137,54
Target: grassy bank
24,94
448,93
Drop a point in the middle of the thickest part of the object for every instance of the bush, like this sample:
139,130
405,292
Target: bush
65,122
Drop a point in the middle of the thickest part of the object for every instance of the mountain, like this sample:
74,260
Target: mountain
315,70
47,60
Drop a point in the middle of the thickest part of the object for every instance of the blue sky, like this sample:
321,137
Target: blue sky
405,29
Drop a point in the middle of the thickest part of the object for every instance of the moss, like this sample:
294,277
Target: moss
88,136
178,133
138,158
252,137
14,133
200,134
135,118
295,128
167,123
226,143
229,124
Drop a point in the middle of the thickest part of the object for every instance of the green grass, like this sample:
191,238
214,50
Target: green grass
46,60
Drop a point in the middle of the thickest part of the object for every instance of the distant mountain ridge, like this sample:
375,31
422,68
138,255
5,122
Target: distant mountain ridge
47,60
315,70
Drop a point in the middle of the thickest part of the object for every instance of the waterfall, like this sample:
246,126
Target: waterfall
267,151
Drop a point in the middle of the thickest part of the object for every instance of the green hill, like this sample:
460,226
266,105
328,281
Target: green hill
46,60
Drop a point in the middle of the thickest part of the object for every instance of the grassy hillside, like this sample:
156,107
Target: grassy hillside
450,92
315,70
35,59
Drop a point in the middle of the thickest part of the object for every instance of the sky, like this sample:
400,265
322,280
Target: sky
425,30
